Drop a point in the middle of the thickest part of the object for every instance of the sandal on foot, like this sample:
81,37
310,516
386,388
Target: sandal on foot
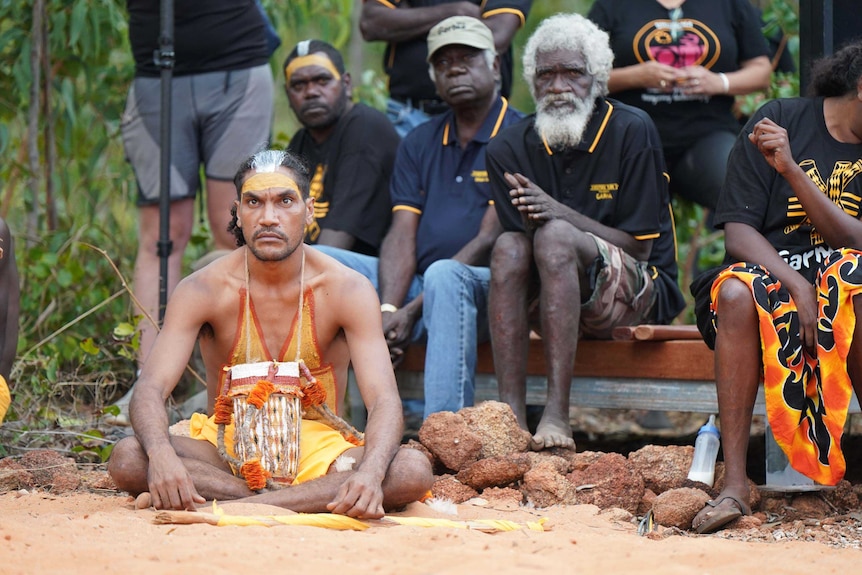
718,518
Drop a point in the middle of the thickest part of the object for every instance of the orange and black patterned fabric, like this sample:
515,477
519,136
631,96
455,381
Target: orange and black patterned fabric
807,397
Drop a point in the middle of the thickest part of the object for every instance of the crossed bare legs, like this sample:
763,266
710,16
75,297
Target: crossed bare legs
553,261
407,479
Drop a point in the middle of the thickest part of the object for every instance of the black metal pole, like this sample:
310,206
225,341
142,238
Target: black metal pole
164,58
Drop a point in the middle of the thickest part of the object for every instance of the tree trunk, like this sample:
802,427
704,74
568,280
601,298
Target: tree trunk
33,118
50,140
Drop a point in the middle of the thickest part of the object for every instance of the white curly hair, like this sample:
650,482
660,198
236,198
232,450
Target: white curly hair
576,33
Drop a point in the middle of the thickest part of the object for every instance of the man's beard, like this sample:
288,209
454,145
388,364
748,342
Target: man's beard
266,255
332,115
563,127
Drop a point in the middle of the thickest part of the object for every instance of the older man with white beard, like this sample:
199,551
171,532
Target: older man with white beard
581,191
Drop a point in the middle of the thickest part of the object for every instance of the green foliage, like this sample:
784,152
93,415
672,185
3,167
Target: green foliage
68,349
779,15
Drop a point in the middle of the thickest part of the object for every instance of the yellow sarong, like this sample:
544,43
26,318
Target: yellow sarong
5,398
319,444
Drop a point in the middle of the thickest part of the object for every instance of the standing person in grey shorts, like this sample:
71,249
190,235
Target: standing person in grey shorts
222,110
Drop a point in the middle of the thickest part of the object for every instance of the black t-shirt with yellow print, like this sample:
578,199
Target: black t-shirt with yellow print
616,176
756,195
350,175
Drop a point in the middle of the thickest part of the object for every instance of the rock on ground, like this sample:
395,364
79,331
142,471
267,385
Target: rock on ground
662,468
677,507
494,471
496,425
612,484
450,439
449,488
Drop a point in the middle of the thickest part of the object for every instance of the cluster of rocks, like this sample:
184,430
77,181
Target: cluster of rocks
482,451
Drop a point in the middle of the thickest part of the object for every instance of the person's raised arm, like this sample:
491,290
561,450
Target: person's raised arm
168,480
838,228
362,494
504,26
381,21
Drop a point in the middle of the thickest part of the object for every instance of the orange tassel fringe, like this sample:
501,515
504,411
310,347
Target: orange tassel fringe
261,392
223,410
255,475
313,394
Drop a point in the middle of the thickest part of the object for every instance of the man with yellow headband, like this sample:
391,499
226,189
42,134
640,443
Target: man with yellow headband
9,293
350,149
261,303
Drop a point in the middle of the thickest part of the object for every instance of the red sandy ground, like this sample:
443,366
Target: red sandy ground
102,533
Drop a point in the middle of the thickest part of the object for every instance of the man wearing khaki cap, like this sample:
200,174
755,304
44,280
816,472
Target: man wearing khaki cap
404,26
432,273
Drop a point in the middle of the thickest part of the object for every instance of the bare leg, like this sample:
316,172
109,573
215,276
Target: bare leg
511,262
737,376
220,197
212,476
562,253
408,478
146,278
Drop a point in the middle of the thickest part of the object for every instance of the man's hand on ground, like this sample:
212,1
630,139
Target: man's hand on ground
170,484
361,496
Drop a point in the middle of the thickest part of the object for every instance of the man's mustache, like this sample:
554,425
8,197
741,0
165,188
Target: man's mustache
565,98
268,231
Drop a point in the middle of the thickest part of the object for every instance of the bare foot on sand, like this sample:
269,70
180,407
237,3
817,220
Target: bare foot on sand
552,432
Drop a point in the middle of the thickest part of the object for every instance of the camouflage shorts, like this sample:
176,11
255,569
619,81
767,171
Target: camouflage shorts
624,293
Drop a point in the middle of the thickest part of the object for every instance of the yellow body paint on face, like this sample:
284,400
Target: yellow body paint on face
316,59
266,180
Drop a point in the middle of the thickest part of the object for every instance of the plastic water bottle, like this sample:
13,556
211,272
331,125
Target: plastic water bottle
705,452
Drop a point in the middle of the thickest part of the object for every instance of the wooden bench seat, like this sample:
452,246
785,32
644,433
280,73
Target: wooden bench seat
644,368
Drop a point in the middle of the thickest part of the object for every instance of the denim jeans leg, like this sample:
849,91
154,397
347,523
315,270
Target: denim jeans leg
455,311
366,265
404,117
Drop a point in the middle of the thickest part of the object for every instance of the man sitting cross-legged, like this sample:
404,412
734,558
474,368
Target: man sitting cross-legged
580,190
258,304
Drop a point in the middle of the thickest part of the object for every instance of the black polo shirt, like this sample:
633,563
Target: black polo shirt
616,176
405,63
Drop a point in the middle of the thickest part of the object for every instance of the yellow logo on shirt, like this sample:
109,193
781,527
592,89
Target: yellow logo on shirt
835,188
321,209
480,176
604,191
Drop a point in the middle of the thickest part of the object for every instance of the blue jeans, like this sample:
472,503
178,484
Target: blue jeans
404,117
454,321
